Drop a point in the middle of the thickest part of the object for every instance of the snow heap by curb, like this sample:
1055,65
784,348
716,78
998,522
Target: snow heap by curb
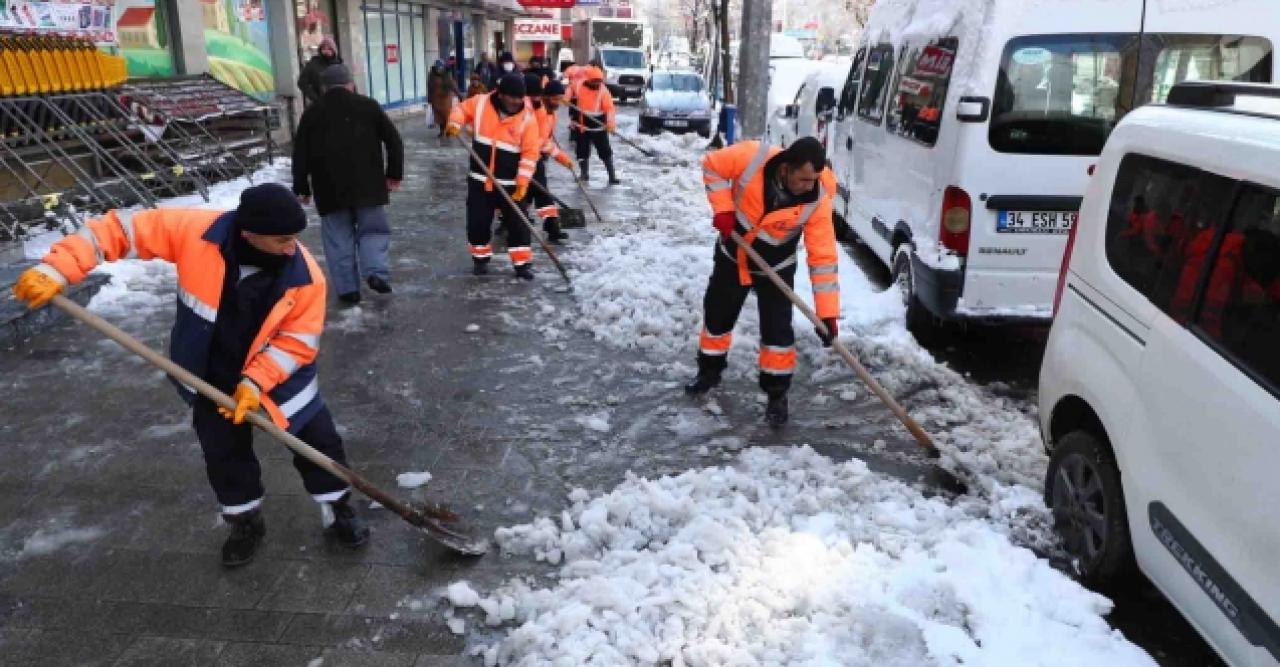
787,558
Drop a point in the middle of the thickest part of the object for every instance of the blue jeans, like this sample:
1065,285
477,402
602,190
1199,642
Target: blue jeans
351,235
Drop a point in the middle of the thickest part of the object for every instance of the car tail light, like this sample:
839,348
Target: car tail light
1066,264
957,217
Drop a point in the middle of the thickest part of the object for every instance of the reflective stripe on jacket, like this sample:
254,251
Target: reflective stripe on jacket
510,143
546,133
282,357
597,104
734,178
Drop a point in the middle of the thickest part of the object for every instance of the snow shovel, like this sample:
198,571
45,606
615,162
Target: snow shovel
430,518
625,140
570,218
918,433
581,188
515,207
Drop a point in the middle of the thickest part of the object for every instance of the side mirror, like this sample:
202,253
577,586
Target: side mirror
791,111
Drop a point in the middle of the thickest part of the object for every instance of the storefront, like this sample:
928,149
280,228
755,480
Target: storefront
396,48
536,37
315,24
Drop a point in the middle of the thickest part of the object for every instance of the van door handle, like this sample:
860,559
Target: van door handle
973,109
848,143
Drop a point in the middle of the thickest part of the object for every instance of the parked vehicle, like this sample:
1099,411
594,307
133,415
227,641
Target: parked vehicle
963,143
676,101
1160,387
620,46
811,112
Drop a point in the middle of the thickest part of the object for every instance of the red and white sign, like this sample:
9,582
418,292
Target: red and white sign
912,86
393,54
556,4
537,30
934,61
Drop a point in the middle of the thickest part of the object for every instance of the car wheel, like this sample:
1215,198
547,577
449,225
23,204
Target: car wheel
919,319
1082,489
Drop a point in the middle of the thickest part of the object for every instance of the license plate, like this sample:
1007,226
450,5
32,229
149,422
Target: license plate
1036,222
676,123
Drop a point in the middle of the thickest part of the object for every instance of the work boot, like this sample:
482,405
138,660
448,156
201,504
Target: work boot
379,285
247,530
349,529
702,384
584,171
479,267
524,272
613,175
350,298
775,411
552,228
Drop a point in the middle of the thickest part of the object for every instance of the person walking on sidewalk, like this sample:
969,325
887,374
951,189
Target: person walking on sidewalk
772,197
251,307
596,121
440,95
546,103
348,154
505,134
309,80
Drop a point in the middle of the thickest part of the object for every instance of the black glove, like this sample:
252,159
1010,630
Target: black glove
832,328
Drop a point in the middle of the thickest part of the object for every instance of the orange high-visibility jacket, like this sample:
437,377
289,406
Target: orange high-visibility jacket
575,74
597,104
510,143
735,177
546,133
283,354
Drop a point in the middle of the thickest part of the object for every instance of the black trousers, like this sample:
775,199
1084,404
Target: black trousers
721,306
541,200
599,139
481,207
233,469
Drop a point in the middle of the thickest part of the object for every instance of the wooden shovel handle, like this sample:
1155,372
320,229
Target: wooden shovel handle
918,433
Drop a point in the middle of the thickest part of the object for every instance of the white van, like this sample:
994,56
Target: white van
812,111
1160,386
966,131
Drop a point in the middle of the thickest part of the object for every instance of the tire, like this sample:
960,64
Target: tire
919,320
1082,488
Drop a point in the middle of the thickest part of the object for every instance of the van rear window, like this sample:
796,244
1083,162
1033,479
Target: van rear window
1061,94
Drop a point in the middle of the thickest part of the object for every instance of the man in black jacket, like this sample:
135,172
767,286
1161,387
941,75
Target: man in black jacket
338,154
309,80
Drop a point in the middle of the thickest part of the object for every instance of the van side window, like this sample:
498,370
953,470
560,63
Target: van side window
1181,58
920,90
1161,226
1062,94
825,103
1240,306
875,84
849,96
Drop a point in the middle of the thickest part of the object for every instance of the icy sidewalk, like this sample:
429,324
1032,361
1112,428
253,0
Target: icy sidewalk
784,556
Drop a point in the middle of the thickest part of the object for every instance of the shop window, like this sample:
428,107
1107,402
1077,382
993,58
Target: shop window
920,90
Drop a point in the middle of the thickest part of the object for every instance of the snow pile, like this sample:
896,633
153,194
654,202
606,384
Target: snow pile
788,558
412,480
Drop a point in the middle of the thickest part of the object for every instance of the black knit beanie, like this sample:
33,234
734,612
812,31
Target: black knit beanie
270,209
512,84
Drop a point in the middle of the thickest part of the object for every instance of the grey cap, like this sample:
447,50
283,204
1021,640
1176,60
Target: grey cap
335,75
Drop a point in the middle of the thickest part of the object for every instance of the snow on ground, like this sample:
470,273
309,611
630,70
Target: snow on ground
413,480
784,556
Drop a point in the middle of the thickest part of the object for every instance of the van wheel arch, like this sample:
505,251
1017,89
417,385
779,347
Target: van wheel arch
1073,413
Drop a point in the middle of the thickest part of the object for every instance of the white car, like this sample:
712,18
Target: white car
1160,386
811,112
963,142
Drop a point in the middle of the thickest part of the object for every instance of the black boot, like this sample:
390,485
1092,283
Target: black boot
584,171
350,530
552,227
379,285
613,175
247,530
775,412
350,298
702,384
479,267
524,272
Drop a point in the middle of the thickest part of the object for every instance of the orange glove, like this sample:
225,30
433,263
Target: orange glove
613,128
522,190
248,399
38,285
452,130
564,159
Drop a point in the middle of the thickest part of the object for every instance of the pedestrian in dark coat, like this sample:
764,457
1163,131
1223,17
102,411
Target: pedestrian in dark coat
309,80
487,71
348,154
440,94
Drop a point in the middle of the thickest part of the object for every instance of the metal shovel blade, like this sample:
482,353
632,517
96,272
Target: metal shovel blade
572,218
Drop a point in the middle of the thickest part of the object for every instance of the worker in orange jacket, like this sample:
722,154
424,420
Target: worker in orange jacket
545,102
773,198
251,306
596,120
505,133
